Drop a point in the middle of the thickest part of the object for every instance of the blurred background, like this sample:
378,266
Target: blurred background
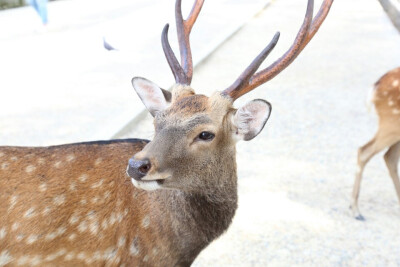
67,79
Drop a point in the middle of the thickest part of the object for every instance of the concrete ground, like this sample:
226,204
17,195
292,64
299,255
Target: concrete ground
295,178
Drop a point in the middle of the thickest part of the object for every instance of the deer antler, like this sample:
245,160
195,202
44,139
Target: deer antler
182,73
247,81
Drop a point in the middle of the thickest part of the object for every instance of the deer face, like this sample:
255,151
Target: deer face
195,137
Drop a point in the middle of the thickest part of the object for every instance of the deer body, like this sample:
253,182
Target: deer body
74,205
386,99
134,202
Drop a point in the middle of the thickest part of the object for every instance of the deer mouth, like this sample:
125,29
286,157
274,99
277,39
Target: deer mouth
150,182
148,185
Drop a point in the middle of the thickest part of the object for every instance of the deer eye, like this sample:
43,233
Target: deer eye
206,136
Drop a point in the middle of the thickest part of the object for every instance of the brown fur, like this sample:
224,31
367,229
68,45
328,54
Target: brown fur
74,204
386,99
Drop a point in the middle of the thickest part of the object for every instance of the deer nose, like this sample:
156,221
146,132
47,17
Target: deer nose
137,169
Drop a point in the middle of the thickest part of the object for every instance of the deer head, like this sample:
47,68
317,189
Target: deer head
195,135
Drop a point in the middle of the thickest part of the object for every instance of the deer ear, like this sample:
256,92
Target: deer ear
250,119
153,97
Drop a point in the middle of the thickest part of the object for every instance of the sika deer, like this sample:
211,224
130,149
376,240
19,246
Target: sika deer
386,99
79,204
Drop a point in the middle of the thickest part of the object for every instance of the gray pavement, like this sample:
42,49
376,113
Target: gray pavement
295,179
59,85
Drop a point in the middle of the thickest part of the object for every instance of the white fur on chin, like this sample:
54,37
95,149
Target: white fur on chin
146,185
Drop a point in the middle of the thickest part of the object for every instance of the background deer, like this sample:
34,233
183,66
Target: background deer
386,99
81,204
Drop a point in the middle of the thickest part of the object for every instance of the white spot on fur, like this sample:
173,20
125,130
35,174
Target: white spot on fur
1,154
5,258
19,237
81,256
396,111
41,160
83,226
146,222
58,164
146,258
83,202
155,251
56,233
395,83
14,226
13,201
3,232
89,260
83,178
98,184
36,260
94,227
97,256
113,218
72,237
70,157
55,255
107,195
23,260
390,103
42,187
31,239
134,247
59,200
4,166
110,254
98,161
73,219
69,256
46,210
119,217
72,186
121,241
14,158
95,200
30,168
104,224
29,213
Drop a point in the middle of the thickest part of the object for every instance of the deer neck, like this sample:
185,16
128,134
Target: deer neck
197,218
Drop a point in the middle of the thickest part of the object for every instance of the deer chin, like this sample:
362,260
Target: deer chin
151,182
147,185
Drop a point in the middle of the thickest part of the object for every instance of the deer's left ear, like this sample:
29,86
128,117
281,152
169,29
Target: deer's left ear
153,97
250,119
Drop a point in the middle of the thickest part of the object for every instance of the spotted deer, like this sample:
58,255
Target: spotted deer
137,202
385,96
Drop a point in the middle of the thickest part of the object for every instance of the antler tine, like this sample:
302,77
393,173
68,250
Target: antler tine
244,78
182,73
319,18
305,34
184,28
179,73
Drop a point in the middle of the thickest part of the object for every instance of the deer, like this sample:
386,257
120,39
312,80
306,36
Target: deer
135,202
385,97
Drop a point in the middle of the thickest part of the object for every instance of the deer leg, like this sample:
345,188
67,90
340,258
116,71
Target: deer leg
391,158
365,153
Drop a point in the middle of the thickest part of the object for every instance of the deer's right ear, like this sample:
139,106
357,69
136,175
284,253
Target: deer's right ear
153,97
